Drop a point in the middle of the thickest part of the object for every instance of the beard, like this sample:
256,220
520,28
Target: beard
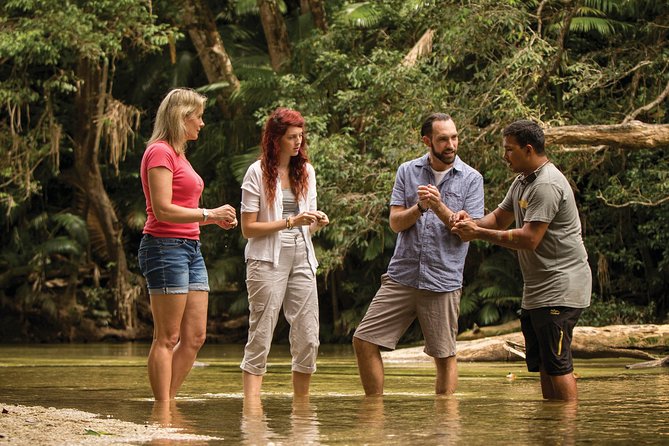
446,158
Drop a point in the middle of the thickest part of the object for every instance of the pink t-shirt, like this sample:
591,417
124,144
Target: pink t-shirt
187,187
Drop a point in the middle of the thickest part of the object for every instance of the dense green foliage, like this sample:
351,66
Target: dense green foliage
490,62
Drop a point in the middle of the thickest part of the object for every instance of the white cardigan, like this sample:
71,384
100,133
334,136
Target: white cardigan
254,199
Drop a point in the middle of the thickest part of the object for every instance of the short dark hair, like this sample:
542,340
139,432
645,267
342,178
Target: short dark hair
526,132
426,128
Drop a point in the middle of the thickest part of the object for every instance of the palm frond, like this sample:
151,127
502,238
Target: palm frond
136,216
602,26
469,303
506,301
39,222
61,245
254,93
488,314
212,88
240,163
74,225
492,291
603,6
250,7
360,15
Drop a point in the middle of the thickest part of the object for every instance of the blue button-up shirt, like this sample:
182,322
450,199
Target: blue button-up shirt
427,255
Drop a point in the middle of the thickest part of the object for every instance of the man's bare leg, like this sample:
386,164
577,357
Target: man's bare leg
370,366
447,375
561,387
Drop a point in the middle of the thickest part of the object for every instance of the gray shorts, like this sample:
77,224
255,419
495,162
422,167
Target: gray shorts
396,306
291,286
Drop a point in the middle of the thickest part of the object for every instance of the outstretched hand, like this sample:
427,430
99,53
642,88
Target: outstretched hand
459,216
465,229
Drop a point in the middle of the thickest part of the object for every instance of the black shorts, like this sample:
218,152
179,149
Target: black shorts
548,332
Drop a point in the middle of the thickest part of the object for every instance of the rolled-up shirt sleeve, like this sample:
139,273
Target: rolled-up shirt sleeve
251,189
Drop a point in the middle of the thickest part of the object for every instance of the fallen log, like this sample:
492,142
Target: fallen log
493,330
613,341
664,362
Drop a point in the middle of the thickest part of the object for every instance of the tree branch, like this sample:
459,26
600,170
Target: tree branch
631,135
649,106
632,202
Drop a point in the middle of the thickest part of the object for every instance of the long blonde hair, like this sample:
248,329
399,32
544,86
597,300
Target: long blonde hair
169,126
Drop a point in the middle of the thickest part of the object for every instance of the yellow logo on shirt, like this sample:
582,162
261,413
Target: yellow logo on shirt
522,203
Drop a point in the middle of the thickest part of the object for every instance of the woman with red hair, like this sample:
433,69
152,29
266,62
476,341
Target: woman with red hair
278,217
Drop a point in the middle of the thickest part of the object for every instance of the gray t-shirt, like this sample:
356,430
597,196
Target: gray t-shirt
557,272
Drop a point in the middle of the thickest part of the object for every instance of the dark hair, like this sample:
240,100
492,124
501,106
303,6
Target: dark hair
426,128
276,126
526,132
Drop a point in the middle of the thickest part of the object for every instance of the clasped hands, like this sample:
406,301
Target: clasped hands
429,197
308,217
463,225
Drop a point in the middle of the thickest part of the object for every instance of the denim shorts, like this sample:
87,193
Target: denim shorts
172,265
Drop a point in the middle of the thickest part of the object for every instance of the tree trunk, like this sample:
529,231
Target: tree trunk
276,34
317,9
632,135
207,40
614,341
422,48
89,103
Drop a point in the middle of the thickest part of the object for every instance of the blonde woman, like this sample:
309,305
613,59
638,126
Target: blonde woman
169,253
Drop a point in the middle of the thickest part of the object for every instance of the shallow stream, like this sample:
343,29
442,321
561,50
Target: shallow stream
496,403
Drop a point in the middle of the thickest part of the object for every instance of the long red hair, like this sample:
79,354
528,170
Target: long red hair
276,126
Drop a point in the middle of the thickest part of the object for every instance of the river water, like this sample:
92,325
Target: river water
496,403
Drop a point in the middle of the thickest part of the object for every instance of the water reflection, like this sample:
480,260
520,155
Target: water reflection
371,418
395,419
303,422
447,417
254,426
256,429
168,414
553,422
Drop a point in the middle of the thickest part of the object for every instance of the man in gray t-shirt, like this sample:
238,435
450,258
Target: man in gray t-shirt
553,260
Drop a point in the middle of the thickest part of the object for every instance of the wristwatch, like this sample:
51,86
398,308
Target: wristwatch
205,215
421,208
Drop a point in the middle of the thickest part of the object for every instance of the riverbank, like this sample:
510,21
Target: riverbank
35,425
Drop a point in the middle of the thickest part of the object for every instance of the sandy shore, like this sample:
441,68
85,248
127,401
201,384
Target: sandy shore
34,425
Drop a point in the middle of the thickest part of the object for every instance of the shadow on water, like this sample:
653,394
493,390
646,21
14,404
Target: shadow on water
496,403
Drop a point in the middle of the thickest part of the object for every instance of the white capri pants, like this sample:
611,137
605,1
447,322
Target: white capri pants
291,285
